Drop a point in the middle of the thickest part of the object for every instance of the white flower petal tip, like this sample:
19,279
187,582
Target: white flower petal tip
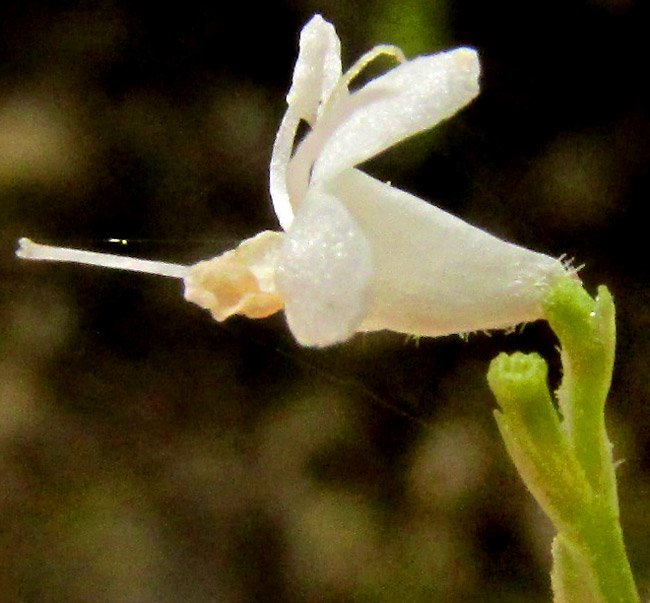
317,70
467,62
240,281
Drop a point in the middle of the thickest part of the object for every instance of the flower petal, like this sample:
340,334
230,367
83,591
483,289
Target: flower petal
318,68
317,71
323,273
434,274
280,156
408,99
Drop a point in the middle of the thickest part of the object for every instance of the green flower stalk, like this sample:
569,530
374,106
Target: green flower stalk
563,454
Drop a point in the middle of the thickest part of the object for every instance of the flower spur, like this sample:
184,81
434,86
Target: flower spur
358,254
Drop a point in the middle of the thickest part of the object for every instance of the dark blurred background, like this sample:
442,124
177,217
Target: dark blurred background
150,454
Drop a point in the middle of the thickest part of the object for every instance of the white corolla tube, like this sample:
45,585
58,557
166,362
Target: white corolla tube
357,254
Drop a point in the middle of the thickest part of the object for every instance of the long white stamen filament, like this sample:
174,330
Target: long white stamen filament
29,250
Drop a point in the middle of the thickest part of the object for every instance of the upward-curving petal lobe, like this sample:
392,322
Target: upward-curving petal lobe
280,157
408,99
317,71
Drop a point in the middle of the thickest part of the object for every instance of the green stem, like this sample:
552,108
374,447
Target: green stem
572,578
602,545
586,329
566,462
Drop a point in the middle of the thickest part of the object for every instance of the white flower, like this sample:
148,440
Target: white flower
358,254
